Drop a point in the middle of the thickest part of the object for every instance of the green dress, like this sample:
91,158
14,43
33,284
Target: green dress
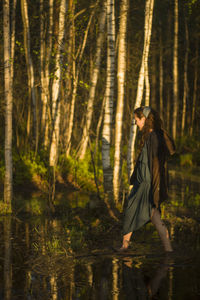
149,180
139,206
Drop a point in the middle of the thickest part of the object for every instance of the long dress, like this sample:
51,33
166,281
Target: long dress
149,180
138,210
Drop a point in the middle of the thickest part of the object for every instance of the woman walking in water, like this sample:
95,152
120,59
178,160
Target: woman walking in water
149,178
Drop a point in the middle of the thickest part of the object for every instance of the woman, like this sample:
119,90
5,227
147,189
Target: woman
149,178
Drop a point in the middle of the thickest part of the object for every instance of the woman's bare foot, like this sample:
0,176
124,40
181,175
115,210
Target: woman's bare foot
124,246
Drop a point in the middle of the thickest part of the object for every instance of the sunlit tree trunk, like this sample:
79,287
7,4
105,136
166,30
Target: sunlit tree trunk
45,54
8,73
56,88
194,100
175,71
109,93
185,92
148,27
121,73
76,70
142,77
95,72
30,70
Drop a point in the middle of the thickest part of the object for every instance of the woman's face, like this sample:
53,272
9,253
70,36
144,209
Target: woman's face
139,122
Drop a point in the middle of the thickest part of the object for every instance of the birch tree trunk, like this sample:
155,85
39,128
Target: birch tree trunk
121,72
185,92
29,63
56,88
148,27
46,112
75,82
142,76
109,93
45,53
95,72
8,73
175,71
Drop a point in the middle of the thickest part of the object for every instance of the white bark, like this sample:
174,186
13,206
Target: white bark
121,73
109,93
148,30
31,80
56,88
143,75
175,71
95,72
8,189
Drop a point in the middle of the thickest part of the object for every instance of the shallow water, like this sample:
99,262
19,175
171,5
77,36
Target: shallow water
72,256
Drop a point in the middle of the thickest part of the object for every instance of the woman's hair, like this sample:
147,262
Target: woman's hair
152,122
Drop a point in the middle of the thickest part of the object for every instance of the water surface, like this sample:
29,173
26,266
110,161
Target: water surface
71,255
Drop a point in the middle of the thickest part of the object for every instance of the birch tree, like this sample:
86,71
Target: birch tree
95,72
121,72
75,81
142,78
45,55
109,93
9,42
175,71
8,108
56,87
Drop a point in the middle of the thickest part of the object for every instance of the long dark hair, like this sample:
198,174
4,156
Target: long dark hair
152,122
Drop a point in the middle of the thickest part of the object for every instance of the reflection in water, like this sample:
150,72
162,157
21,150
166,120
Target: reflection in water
7,258
41,269
136,285
54,258
115,270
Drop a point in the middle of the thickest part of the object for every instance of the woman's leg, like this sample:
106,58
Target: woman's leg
162,230
126,240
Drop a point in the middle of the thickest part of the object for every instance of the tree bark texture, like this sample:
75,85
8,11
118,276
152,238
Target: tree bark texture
8,180
121,74
109,93
56,88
